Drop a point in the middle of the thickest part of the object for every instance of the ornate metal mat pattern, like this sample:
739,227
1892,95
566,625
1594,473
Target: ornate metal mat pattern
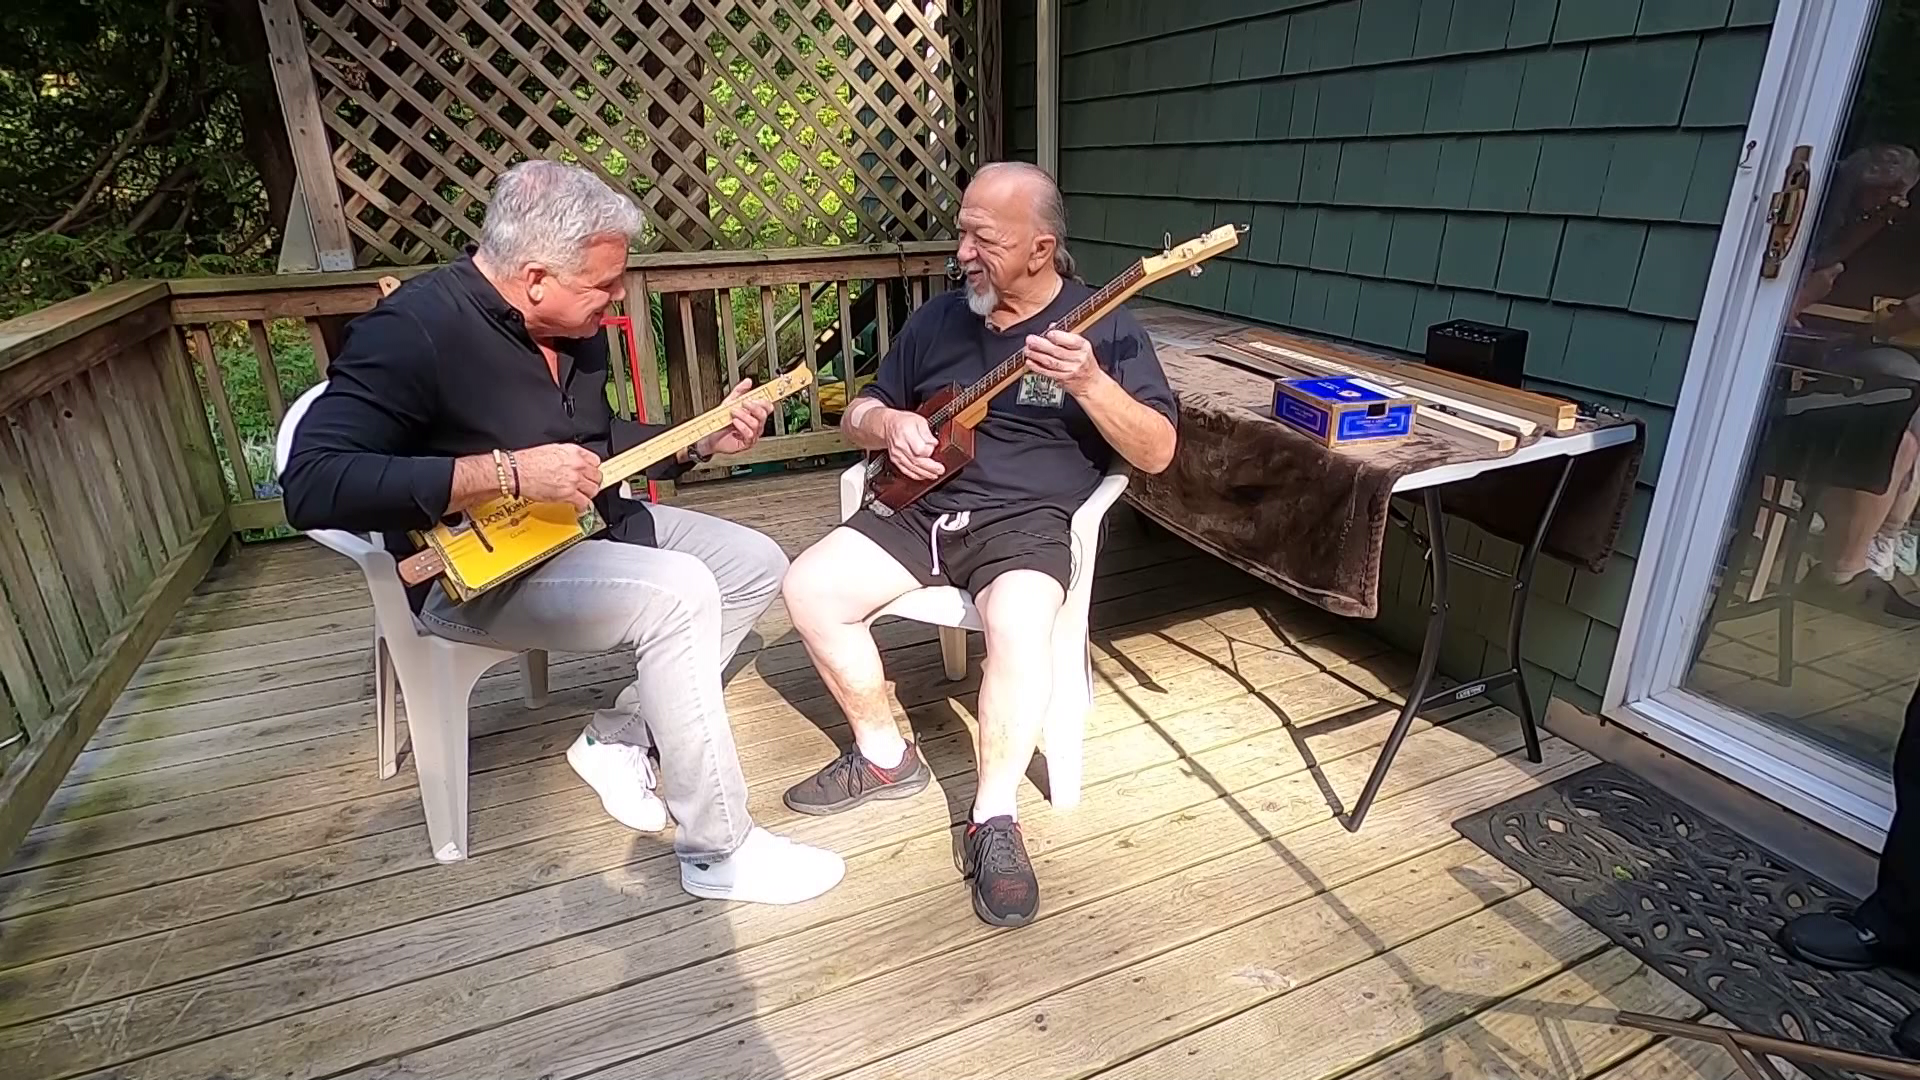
1694,900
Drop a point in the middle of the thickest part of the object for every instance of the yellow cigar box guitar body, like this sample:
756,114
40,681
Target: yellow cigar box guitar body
504,537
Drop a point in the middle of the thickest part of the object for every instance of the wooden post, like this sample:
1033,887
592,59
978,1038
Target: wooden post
692,358
307,133
993,99
1046,76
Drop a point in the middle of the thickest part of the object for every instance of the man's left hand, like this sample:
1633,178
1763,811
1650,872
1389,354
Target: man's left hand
1066,358
749,419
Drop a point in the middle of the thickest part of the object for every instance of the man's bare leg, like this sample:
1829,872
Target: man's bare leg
1018,610
1016,681
831,591
1855,516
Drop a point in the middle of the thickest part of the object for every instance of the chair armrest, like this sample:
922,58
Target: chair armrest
1084,536
853,484
1089,515
381,571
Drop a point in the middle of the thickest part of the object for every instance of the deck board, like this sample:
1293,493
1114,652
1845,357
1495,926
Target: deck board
223,886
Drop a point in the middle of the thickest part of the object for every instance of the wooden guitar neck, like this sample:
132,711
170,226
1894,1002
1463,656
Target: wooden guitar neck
629,463
969,407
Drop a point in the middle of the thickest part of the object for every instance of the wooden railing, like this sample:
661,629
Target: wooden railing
111,511
257,343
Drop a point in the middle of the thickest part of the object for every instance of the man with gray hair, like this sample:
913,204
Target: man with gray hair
501,352
998,528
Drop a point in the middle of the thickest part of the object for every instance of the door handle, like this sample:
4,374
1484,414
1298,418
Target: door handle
1786,212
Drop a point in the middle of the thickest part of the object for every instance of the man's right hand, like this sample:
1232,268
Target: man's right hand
910,444
559,472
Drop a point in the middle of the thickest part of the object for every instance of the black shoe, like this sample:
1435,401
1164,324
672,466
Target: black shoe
1837,943
1005,892
1863,596
1907,1036
851,779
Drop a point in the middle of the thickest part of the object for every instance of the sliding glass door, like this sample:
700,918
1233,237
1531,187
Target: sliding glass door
1775,626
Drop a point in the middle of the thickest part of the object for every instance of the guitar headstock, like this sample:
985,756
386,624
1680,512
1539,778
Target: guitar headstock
1190,255
799,377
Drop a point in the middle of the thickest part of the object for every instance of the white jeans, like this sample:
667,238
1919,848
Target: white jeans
683,608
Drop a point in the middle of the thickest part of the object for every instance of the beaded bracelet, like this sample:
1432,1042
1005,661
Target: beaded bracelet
500,473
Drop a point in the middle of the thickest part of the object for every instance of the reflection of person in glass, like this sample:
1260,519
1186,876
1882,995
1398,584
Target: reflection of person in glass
1867,536
1841,327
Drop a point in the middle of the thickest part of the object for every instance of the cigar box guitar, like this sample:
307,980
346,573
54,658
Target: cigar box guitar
505,537
953,413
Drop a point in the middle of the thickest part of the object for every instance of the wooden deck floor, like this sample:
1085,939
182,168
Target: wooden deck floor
224,889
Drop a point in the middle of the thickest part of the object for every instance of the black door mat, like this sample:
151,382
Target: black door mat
1694,900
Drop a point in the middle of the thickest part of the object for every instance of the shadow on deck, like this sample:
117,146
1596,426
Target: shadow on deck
224,888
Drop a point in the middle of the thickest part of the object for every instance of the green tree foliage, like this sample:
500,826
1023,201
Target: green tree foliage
123,147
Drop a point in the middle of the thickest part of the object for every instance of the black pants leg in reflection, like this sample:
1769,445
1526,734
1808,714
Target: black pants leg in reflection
1893,911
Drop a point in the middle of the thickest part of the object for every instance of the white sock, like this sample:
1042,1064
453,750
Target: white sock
885,749
988,808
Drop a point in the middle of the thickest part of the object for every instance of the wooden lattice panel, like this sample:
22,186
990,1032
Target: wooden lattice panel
733,123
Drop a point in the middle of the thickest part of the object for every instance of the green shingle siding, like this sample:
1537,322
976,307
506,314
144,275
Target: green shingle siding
1635,82
1385,31
1470,250
1430,28
1398,105
1572,173
1532,23
1722,90
1527,260
1606,254
1503,172
1549,86
1666,16
1673,271
1561,166
1583,20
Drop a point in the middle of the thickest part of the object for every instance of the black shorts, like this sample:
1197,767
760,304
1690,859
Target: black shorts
971,552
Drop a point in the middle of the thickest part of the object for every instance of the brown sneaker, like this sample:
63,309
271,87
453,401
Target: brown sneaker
851,779
1005,892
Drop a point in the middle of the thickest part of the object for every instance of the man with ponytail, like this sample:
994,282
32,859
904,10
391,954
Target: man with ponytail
998,528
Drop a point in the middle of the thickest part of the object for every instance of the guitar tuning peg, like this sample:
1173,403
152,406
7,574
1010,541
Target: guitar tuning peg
1242,229
1167,239
1194,270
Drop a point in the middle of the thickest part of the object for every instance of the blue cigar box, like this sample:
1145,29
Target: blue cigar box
1338,410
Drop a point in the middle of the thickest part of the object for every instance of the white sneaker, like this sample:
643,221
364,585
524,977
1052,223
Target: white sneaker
623,776
767,869
1883,556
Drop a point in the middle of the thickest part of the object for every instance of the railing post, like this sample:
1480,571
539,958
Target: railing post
184,401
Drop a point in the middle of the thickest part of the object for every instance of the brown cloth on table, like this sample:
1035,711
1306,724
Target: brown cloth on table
1312,519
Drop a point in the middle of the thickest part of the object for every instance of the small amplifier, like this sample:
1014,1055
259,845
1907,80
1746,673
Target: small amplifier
1496,354
1337,411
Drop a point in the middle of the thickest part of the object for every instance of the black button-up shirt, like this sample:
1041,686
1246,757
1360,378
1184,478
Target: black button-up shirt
442,369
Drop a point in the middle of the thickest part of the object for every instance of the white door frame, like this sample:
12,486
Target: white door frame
1805,90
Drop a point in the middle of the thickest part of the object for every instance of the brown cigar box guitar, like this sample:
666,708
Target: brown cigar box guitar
953,413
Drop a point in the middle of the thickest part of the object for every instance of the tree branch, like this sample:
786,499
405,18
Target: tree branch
120,151
162,193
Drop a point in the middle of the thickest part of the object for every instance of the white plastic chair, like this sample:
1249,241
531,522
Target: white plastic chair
951,609
436,676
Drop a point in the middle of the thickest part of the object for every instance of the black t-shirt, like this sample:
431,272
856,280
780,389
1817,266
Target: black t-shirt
1037,445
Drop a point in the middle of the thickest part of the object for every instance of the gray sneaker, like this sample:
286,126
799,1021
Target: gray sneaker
850,779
